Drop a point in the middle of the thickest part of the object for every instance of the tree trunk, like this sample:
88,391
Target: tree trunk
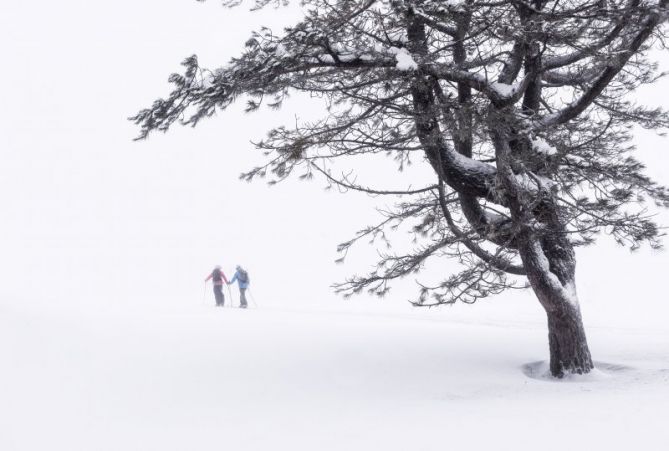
550,266
549,262
569,351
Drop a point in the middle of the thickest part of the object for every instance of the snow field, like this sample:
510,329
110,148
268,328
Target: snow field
208,379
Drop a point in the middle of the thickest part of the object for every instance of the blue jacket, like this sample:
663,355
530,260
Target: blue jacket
242,285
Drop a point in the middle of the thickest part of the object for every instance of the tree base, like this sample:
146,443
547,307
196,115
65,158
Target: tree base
569,352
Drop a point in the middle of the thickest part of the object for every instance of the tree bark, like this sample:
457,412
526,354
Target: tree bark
550,267
569,352
550,264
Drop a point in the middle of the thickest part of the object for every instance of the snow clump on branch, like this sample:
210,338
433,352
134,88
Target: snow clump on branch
404,59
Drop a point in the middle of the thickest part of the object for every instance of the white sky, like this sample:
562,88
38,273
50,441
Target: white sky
90,217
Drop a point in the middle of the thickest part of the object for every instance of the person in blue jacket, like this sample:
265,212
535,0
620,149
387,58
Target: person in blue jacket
242,279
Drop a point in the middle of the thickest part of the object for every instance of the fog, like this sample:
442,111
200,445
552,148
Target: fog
93,220
109,339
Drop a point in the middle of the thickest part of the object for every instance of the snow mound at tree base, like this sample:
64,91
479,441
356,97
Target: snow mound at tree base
604,372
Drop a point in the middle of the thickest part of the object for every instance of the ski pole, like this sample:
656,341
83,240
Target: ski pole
230,294
204,293
253,298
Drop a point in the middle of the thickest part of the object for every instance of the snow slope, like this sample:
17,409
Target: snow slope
355,377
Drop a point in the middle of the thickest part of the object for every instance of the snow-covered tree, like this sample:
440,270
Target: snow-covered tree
521,108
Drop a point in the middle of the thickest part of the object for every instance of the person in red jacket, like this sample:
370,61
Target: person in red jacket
218,278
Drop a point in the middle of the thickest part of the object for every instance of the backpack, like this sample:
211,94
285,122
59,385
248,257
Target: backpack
216,275
243,276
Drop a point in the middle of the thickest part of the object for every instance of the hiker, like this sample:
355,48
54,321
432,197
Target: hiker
218,277
242,278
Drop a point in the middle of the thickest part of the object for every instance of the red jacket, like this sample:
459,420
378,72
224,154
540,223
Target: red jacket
217,282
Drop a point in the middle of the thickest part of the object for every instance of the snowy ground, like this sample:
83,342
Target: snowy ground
350,376
105,344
